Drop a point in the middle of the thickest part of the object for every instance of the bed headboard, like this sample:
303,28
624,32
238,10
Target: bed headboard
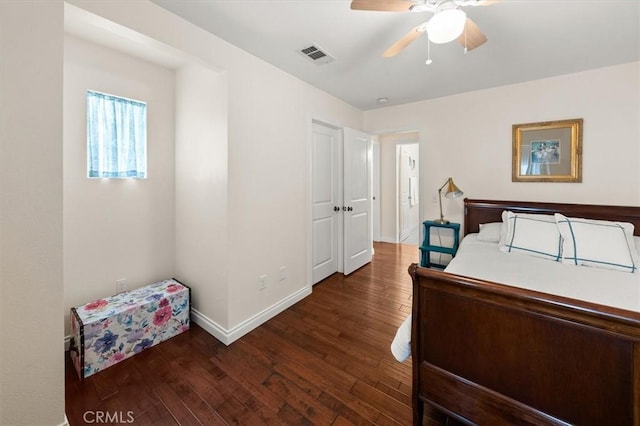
484,211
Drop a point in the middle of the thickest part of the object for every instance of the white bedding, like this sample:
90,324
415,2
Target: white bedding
483,260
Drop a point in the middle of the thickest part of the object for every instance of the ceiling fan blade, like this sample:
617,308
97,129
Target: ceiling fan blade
382,5
403,42
471,37
477,2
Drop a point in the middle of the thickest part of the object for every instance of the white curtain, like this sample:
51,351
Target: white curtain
116,137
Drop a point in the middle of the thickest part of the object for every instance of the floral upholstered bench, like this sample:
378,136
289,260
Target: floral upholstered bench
107,331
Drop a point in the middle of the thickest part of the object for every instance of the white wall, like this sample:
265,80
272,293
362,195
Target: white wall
201,190
468,137
116,228
269,126
269,168
31,328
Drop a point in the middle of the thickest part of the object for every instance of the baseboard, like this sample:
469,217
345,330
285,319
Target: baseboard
229,336
209,325
389,240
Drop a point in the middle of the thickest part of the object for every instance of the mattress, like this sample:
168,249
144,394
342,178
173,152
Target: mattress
483,260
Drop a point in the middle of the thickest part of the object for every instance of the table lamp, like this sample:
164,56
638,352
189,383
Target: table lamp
452,191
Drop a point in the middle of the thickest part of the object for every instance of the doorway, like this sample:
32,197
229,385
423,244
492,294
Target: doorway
399,174
408,190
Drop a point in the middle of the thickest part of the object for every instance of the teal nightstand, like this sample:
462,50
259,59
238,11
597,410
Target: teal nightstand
426,248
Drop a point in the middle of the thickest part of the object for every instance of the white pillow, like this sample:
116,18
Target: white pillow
505,228
532,234
490,232
598,243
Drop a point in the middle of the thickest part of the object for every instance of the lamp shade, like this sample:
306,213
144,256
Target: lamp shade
446,26
452,190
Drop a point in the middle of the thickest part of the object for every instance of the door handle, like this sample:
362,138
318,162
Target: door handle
336,208
349,209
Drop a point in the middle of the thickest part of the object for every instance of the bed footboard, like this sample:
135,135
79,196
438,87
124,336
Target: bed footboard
486,353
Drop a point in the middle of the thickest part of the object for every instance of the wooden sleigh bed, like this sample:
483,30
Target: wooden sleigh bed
490,354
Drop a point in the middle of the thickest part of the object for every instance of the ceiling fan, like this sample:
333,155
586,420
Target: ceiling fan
448,22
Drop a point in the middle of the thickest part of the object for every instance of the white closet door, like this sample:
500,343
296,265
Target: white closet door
325,199
358,234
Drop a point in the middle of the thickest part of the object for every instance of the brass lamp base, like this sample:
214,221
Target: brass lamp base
441,221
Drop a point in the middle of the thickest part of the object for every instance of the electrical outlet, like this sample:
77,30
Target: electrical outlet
283,273
262,282
434,199
121,285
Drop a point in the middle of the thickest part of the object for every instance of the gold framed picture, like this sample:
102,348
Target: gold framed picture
550,151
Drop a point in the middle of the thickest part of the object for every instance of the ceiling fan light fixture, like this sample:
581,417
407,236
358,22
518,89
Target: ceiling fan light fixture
446,26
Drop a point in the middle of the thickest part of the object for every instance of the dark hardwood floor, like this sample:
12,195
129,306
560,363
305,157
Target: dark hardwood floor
324,361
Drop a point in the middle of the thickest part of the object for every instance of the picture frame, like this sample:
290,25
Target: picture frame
549,151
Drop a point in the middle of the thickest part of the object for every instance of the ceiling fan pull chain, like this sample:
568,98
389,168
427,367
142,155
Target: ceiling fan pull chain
465,38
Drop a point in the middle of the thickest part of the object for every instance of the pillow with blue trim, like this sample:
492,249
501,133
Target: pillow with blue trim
598,243
532,234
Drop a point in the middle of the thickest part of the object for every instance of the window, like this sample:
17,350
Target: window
116,137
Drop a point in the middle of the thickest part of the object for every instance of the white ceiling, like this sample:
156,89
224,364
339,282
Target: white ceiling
528,40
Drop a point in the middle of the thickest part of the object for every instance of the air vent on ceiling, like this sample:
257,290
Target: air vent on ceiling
316,55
